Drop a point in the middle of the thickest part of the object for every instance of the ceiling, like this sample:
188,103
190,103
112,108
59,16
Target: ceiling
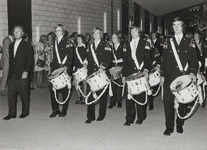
163,7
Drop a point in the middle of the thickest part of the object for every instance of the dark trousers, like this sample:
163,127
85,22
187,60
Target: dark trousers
21,88
150,97
168,100
117,92
140,109
54,103
102,106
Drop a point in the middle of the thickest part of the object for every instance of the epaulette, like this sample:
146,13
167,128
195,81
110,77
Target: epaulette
147,46
165,44
192,44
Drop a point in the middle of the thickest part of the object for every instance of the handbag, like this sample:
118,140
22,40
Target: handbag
40,63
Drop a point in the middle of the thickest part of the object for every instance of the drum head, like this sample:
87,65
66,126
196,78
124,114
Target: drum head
134,76
115,69
56,72
180,83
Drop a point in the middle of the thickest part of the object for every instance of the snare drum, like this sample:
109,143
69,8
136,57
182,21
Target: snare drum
184,89
115,72
137,84
80,74
154,78
97,81
59,78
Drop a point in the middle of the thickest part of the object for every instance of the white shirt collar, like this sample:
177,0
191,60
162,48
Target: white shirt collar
60,38
116,46
136,40
179,36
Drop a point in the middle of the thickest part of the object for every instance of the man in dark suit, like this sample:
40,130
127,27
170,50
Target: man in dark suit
170,70
20,64
104,57
65,50
136,49
5,61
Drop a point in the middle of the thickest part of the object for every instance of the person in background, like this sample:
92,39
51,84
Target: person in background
106,37
117,50
39,68
49,51
87,39
20,64
73,39
79,62
5,61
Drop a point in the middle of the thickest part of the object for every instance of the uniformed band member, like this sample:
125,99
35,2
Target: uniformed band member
156,50
117,50
104,56
170,71
79,62
136,49
65,50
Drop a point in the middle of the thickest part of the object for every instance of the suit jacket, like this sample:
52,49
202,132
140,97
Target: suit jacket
187,54
103,54
5,55
23,61
65,49
157,45
142,54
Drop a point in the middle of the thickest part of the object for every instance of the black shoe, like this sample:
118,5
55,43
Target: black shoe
179,129
100,118
63,114
111,106
139,121
119,105
127,123
77,102
55,113
151,107
23,116
9,117
168,131
89,120
82,102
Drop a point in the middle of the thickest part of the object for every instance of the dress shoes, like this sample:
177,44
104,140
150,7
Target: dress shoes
179,129
119,105
9,117
111,106
23,116
63,114
89,120
127,123
100,118
168,131
139,121
151,107
55,113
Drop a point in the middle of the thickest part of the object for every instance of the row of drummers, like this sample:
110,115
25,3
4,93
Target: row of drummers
109,66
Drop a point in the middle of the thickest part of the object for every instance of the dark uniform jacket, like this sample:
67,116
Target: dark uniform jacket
119,55
23,61
157,45
142,54
103,54
64,49
82,53
187,54
201,53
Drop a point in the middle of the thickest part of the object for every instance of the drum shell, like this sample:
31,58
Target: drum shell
97,81
137,84
186,93
80,74
154,78
115,72
60,80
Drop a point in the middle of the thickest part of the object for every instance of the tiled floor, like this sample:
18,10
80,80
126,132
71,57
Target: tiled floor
38,131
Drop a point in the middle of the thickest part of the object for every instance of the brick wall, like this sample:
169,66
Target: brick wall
90,13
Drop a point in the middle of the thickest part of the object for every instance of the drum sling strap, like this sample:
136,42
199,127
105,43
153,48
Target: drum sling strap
69,86
78,55
95,96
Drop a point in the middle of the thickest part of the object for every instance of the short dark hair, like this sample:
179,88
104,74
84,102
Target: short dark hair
82,37
73,34
97,28
119,36
87,35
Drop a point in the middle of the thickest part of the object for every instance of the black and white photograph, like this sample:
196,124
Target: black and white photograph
103,74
